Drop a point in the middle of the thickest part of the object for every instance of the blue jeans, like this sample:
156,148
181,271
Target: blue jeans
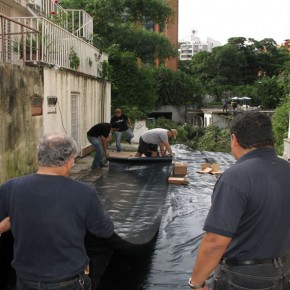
129,136
263,276
81,283
99,156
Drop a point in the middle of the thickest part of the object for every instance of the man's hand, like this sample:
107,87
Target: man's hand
5,225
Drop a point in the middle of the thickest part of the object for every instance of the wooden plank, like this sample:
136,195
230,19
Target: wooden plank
178,180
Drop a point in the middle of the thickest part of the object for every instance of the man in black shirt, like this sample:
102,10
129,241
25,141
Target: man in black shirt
98,136
247,239
50,214
125,126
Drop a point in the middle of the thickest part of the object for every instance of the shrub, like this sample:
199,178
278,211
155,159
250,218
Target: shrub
280,121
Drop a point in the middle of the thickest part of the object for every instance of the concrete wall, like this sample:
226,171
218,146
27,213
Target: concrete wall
81,103
178,113
19,130
286,153
289,127
66,102
215,120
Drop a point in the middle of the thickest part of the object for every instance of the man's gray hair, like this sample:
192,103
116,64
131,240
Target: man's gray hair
54,150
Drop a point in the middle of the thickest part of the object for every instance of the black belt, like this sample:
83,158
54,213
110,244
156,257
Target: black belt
277,262
235,262
67,279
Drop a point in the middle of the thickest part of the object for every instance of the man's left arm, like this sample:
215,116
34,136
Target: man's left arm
5,225
105,145
209,254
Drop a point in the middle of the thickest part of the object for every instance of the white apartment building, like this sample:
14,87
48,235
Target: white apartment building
190,48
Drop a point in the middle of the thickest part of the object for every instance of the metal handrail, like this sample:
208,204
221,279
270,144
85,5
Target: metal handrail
38,40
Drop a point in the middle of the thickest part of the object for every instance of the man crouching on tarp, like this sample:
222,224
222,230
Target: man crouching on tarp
149,141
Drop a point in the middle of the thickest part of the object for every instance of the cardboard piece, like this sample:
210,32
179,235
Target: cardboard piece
215,169
178,180
206,170
180,169
210,168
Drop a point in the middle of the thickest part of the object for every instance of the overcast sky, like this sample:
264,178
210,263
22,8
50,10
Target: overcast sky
222,19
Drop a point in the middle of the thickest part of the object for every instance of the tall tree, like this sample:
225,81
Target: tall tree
122,22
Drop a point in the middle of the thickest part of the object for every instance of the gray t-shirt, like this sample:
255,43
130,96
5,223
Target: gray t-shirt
155,136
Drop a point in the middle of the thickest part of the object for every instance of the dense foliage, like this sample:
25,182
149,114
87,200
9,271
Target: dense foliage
122,29
242,67
281,124
204,139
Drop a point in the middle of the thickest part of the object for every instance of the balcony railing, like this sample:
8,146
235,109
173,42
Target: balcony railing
33,40
78,22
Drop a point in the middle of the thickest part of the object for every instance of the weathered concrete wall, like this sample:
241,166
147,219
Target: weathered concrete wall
178,113
19,130
286,153
81,103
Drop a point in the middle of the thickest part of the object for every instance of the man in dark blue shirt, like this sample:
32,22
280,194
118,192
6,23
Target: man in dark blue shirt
247,239
49,215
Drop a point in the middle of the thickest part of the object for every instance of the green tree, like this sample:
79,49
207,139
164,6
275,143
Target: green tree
122,22
233,69
271,94
281,124
176,88
119,30
131,85
215,139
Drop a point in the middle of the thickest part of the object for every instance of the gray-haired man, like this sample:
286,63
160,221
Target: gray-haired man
49,215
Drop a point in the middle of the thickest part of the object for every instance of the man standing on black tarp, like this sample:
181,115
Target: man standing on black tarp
247,239
125,126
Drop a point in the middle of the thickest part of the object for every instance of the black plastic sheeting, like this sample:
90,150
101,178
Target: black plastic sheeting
184,214
167,262
158,227
134,193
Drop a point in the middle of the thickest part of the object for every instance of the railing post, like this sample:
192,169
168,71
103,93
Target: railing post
3,40
23,45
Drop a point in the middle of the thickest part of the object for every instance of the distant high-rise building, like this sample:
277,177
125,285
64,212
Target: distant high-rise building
189,48
170,30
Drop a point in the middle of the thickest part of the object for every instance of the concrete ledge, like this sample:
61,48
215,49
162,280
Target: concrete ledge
86,150
286,153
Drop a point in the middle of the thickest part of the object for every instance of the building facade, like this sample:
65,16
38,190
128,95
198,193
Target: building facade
189,48
51,80
170,30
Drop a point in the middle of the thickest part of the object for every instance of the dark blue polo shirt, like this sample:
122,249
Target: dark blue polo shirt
49,218
251,204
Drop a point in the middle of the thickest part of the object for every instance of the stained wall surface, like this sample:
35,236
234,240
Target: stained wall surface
19,130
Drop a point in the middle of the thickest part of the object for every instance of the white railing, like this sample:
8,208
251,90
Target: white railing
35,39
78,22
81,24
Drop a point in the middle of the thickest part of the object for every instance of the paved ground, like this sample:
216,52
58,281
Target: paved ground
82,169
